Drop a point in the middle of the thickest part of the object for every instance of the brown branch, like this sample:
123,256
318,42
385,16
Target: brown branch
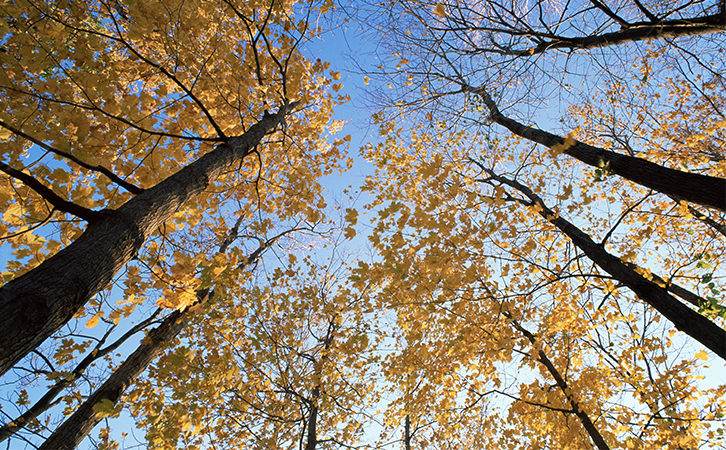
176,81
562,384
696,188
609,12
645,11
112,176
51,197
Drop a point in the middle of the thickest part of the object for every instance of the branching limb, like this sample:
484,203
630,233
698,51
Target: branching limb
111,176
51,197
644,285
48,400
562,384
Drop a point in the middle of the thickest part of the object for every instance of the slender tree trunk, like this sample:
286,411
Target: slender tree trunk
80,424
49,399
701,189
37,304
71,432
684,318
562,384
312,437
407,433
319,365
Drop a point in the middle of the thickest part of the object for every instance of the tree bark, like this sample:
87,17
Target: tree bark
39,303
49,399
79,425
685,319
71,432
701,189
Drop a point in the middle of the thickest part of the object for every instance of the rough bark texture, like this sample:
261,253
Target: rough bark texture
692,187
37,304
70,434
685,319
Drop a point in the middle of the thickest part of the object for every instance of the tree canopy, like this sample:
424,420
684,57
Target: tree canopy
534,259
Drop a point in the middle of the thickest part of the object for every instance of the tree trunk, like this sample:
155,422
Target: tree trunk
566,390
692,187
37,304
49,399
684,318
71,432
407,433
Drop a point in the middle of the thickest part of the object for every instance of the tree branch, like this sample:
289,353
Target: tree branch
562,384
685,319
111,176
51,197
701,189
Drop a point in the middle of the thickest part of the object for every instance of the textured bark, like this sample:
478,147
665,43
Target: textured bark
39,303
685,319
71,432
692,187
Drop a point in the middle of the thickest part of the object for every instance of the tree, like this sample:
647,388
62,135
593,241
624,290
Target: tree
50,398
102,402
486,220
107,95
283,360
442,28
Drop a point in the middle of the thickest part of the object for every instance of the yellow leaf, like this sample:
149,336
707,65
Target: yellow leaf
92,322
559,148
440,10
703,355
104,408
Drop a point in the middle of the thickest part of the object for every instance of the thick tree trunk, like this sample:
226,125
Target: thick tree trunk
684,318
71,432
37,304
692,187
